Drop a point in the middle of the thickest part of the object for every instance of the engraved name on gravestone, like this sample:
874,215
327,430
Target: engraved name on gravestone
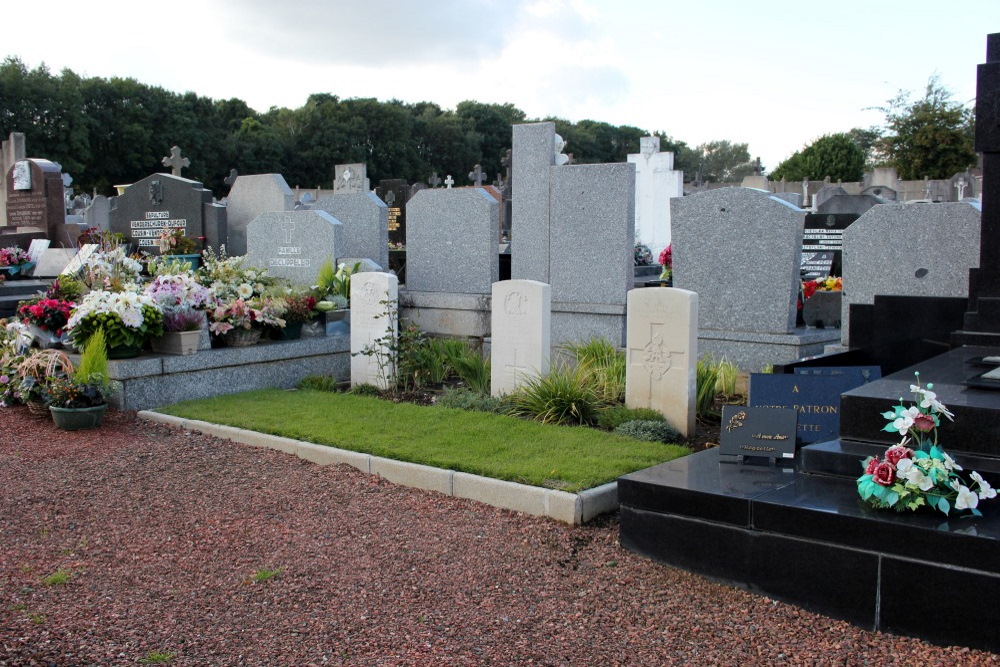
815,398
395,193
757,432
293,244
157,203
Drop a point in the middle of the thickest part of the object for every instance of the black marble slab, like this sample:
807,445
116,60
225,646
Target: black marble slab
703,486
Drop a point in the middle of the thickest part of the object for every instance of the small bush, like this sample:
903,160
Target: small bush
650,431
365,389
318,383
729,376
614,416
561,397
466,399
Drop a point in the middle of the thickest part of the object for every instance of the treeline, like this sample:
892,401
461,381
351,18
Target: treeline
110,131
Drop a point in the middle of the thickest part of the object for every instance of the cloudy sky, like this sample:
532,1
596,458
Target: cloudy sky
776,75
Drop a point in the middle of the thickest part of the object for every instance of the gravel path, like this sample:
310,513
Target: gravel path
160,531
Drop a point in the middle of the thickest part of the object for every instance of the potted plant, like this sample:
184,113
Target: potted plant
128,319
14,261
821,301
240,323
174,242
46,319
298,309
34,370
182,300
80,399
333,290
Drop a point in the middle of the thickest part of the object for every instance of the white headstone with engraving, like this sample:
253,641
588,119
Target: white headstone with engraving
521,325
374,325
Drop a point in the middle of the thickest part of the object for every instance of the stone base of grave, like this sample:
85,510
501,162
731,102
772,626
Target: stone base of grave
447,313
579,322
751,351
800,534
152,380
12,291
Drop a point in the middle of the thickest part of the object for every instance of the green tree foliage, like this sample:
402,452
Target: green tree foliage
931,137
835,155
722,161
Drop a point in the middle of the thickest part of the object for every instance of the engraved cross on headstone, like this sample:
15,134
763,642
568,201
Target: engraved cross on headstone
175,161
434,180
516,370
449,181
477,175
289,229
653,357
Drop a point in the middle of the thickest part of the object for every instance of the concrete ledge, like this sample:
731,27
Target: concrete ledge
570,508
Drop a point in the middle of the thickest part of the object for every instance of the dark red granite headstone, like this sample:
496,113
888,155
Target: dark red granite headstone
37,201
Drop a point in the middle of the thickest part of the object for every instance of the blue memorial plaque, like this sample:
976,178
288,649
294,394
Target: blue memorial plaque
816,399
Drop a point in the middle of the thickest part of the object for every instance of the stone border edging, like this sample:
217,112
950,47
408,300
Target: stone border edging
571,508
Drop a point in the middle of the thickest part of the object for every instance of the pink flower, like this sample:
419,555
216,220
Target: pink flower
872,465
924,423
896,453
885,474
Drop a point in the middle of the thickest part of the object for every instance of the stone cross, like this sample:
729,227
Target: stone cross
506,161
347,176
477,175
390,198
449,181
434,180
927,188
229,180
757,168
175,161
960,186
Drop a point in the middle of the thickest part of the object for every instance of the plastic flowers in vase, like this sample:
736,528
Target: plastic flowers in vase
13,260
127,318
918,472
177,294
174,242
333,287
111,270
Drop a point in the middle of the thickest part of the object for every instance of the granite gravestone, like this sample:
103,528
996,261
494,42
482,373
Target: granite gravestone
662,353
350,178
35,197
374,323
395,193
521,333
98,214
365,220
452,241
656,183
160,202
293,244
941,244
249,197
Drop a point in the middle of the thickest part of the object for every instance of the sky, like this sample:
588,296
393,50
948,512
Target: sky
776,75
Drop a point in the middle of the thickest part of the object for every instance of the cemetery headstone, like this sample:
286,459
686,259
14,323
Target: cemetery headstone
11,150
815,398
374,324
34,190
156,203
250,196
53,262
521,333
941,245
365,220
293,244
451,243
656,183
350,178
98,214
662,354
395,193
533,156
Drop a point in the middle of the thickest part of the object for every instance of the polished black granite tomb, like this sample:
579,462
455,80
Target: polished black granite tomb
806,538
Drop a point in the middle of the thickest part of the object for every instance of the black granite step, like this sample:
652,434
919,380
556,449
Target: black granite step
13,291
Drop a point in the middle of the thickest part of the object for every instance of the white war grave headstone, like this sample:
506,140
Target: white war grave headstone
521,323
374,325
662,353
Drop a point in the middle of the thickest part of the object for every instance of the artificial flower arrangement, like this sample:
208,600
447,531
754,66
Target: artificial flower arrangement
12,353
85,386
244,314
13,256
66,288
828,284
110,270
667,262
230,278
128,318
49,315
182,300
333,287
299,308
102,237
172,241
924,475
642,255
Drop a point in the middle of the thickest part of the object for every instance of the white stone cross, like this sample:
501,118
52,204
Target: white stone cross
347,176
175,161
960,186
449,181
653,357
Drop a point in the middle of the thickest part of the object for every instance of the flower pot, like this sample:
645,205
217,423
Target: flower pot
37,408
240,337
291,331
124,351
194,261
177,342
75,419
822,310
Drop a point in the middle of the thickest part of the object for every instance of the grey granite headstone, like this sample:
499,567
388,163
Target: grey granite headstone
216,225
793,198
451,241
739,249
592,232
350,178
293,244
159,202
533,155
910,250
366,223
98,213
249,197
828,192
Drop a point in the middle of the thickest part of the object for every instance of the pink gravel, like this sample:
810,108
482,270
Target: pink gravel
161,531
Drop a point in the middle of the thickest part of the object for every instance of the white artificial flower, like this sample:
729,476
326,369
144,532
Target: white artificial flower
905,419
903,466
930,401
914,475
985,490
966,499
244,291
949,463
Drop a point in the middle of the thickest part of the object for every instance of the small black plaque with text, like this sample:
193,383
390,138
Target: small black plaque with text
760,432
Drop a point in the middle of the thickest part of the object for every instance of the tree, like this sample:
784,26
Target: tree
835,155
931,137
723,161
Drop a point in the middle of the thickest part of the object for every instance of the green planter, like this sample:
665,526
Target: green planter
124,351
75,419
291,331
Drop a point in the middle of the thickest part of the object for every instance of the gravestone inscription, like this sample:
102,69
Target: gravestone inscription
35,196
293,244
157,203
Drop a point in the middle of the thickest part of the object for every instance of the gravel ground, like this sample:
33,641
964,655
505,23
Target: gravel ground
161,531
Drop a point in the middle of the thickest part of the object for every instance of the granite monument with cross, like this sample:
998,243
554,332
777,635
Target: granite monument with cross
294,244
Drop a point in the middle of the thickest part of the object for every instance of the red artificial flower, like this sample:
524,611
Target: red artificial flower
808,288
666,256
872,465
897,453
924,423
885,474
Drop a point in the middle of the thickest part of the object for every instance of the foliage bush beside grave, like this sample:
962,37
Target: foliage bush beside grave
495,446
614,416
562,396
650,430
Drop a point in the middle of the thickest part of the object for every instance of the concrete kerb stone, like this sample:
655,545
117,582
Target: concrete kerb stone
570,508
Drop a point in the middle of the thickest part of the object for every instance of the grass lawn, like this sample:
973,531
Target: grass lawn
560,457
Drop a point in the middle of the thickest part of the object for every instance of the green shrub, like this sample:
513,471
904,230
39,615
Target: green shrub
471,367
466,399
707,378
614,416
365,389
562,396
650,431
729,376
603,366
318,383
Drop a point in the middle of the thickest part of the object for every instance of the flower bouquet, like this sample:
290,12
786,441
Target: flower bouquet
111,270
127,318
828,284
172,241
642,255
13,260
46,318
240,322
923,475
667,262
231,278
333,287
